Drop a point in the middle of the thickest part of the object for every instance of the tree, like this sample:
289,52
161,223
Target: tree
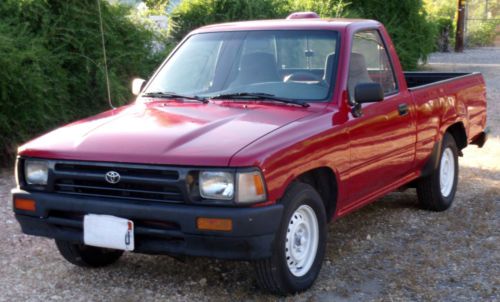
190,14
406,20
51,64
157,5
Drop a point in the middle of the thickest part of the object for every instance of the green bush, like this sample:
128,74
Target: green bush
30,81
482,33
325,8
445,37
51,67
405,20
191,14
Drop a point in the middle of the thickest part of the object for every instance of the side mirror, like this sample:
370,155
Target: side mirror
368,93
138,86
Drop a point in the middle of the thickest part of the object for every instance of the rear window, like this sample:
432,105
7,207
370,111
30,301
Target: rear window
305,51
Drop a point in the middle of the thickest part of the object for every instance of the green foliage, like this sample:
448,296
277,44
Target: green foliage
445,9
481,28
190,14
441,13
481,23
160,5
482,33
51,67
29,97
445,33
405,20
325,8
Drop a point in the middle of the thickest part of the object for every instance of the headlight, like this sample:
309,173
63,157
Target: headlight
250,187
36,172
216,185
244,187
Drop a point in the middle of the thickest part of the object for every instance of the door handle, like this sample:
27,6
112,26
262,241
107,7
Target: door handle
403,109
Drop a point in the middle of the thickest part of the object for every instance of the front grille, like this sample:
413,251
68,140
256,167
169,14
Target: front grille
138,182
126,170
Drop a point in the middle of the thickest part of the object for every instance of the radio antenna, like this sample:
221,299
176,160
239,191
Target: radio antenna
104,55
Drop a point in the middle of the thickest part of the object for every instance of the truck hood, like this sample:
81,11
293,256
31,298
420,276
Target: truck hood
167,132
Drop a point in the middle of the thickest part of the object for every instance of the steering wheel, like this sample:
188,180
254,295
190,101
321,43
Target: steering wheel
302,76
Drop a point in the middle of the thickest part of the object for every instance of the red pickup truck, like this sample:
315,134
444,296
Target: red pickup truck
248,139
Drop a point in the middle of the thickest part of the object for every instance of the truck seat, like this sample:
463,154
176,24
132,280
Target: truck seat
327,75
358,72
257,67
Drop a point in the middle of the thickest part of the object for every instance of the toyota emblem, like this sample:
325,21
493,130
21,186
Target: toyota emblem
112,177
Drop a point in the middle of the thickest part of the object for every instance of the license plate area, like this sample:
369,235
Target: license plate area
108,232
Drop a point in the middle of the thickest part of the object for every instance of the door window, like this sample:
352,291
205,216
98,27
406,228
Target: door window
370,63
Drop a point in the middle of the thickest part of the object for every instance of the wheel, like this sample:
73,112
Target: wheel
299,246
87,256
437,190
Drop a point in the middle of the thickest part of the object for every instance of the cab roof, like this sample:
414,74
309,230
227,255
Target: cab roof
291,24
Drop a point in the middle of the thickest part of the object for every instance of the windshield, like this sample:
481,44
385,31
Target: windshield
291,64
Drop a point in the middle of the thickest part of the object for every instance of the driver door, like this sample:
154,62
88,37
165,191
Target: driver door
383,138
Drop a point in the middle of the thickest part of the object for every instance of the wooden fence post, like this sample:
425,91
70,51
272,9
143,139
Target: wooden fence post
459,37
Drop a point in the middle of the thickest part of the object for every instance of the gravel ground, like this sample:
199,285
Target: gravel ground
388,251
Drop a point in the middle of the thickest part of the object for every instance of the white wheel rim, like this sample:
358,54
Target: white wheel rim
447,172
301,241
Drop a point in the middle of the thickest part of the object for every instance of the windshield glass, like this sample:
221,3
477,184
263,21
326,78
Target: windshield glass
292,64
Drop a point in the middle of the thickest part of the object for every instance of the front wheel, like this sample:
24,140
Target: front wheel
437,190
299,246
87,256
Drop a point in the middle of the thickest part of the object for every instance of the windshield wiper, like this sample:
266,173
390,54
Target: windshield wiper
173,95
260,96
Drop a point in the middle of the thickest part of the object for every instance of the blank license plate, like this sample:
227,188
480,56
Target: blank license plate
108,232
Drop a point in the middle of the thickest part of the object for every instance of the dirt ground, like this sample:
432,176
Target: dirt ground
388,251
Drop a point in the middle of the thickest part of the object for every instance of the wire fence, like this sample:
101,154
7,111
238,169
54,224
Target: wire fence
482,26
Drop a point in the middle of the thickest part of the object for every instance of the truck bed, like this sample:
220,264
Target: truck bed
418,79
456,96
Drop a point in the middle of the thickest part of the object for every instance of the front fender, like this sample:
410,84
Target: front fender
297,148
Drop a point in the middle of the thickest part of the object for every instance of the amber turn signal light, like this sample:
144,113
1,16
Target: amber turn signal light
259,186
214,224
25,204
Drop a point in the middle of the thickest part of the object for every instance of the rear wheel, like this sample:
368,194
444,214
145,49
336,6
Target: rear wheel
87,256
437,190
299,246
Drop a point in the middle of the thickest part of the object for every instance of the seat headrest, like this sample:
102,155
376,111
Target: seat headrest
257,67
358,72
256,60
357,65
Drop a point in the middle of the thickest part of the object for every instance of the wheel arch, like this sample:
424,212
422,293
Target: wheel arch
457,131
324,180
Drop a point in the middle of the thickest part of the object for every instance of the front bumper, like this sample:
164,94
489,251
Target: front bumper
159,228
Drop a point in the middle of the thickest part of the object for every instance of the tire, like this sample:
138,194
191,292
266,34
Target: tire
87,256
295,264
437,190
